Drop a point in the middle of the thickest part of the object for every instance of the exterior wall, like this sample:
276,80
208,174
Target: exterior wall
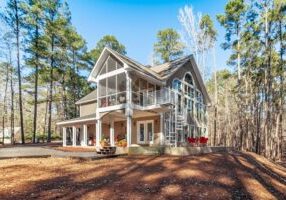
120,129
87,109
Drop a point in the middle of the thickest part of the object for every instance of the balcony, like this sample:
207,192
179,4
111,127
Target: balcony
146,98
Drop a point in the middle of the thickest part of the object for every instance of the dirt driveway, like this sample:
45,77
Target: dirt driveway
211,176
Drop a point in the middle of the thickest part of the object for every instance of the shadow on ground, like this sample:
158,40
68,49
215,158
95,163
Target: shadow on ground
212,176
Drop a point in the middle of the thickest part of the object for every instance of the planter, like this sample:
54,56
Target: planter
104,144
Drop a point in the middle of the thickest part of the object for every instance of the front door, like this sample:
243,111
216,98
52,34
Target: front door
145,132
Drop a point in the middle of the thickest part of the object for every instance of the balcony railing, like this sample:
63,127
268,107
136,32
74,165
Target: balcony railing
158,97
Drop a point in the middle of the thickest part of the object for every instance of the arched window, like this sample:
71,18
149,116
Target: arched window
189,79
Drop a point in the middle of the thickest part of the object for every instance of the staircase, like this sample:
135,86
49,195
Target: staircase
180,120
176,117
107,150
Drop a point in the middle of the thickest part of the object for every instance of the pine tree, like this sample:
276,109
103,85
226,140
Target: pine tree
168,46
52,29
107,41
34,23
13,17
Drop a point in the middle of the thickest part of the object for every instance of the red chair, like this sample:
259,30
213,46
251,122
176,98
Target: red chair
203,140
192,141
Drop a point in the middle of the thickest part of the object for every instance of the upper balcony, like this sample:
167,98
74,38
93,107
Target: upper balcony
144,99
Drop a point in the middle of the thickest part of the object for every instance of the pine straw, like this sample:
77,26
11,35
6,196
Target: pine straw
212,176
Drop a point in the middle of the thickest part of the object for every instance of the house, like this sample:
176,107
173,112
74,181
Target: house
7,131
142,105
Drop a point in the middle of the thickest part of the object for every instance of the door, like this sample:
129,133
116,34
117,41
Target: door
141,132
145,132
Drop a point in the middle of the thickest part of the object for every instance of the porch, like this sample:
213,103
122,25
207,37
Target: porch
111,129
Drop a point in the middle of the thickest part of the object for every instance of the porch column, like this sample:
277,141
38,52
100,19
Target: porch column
162,129
84,135
64,136
129,130
98,133
111,132
129,108
74,136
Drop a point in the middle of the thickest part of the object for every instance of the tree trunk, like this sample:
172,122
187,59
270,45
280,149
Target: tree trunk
5,100
19,71
46,112
36,88
50,99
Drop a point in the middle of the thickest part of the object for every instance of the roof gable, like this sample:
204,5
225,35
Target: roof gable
159,72
122,58
166,70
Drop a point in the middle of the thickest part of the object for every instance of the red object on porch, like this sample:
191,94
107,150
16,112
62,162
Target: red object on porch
201,140
191,140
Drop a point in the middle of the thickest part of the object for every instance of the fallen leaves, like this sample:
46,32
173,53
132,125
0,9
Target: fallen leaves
210,176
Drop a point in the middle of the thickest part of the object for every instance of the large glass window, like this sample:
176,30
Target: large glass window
121,88
111,64
143,92
176,85
112,90
103,70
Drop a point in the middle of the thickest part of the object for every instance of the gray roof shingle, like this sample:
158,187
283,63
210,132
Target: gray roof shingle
78,119
88,98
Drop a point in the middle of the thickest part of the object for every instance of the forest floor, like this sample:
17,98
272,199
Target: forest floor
232,175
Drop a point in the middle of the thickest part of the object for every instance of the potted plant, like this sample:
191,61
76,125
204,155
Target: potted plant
104,142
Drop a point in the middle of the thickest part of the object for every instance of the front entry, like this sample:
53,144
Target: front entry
145,132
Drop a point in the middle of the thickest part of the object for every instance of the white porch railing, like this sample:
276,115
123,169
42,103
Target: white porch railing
158,97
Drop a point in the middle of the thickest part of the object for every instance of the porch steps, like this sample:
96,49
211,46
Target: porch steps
107,150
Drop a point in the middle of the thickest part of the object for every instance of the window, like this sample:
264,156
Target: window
145,132
150,131
176,85
112,90
141,132
188,79
143,92
111,64
103,70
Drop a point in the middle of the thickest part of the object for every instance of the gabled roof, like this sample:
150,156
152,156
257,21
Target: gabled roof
135,64
88,98
159,72
130,62
165,70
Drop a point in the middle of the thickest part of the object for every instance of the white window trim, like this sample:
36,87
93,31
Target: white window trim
109,74
192,79
145,122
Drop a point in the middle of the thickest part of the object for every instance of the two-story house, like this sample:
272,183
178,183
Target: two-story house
145,105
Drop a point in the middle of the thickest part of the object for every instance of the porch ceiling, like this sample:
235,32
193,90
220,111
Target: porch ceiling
119,115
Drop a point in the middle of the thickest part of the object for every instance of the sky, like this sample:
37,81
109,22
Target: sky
135,23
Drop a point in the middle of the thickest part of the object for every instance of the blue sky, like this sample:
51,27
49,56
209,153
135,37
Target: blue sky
135,23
